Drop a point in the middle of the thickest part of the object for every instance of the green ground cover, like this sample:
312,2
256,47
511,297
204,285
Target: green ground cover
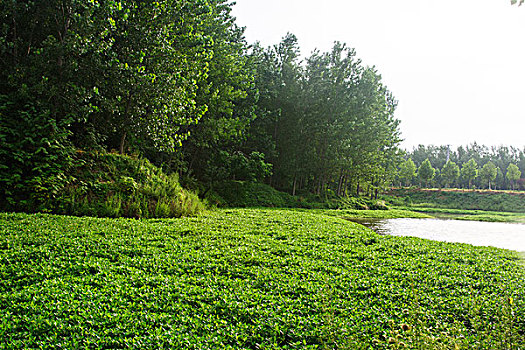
500,201
474,215
372,214
249,279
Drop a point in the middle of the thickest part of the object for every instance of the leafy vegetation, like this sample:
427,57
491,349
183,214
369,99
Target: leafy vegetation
250,194
177,83
268,279
111,185
245,194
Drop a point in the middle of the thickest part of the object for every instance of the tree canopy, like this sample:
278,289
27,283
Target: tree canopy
176,82
470,160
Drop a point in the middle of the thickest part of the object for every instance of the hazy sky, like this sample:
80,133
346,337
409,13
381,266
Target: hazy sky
457,67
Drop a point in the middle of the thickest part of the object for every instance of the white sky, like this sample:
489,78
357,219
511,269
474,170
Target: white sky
457,67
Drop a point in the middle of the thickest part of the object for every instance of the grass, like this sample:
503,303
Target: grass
250,279
114,185
473,215
372,214
500,201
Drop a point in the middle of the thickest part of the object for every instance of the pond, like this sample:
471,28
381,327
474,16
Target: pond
495,234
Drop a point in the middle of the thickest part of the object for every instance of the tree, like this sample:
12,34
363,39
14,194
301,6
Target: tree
227,91
146,79
488,173
513,174
499,183
501,156
407,171
520,2
113,72
127,75
450,173
327,124
278,130
426,172
331,80
469,171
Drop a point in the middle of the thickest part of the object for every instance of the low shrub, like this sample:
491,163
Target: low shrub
244,194
250,194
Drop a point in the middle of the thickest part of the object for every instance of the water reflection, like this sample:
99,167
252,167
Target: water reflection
495,234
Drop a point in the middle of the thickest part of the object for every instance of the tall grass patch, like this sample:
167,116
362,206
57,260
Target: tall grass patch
112,185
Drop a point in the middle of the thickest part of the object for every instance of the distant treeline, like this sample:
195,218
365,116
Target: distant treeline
175,81
473,166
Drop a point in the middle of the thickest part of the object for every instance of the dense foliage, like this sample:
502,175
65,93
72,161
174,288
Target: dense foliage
111,185
93,75
326,124
249,279
501,168
245,194
176,82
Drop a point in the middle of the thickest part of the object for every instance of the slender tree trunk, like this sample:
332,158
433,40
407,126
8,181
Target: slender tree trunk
15,38
340,184
294,184
122,142
195,155
345,182
125,133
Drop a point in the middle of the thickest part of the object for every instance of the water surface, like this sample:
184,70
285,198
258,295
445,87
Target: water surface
495,234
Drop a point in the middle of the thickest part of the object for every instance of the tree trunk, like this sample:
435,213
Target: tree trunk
345,183
126,112
294,184
122,142
15,38
340,184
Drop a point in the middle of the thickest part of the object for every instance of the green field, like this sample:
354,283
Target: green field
475,205
496,201
471,215
249,279
370,214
